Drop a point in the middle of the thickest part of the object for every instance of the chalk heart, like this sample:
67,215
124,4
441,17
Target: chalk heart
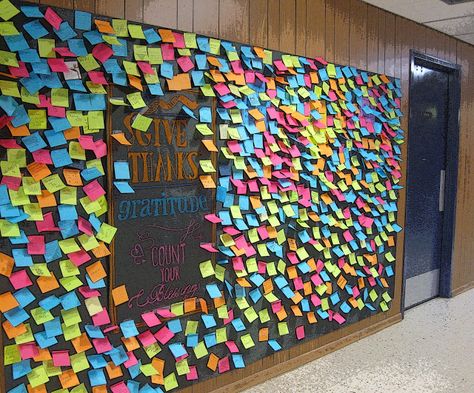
137,254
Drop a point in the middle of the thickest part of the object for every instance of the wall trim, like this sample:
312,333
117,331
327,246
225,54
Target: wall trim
463,288
298,361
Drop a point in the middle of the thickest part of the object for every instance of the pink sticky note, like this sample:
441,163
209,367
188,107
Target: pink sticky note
87,142
61,358
167,51
223,365
84,226
300,332
193,374
20,279
88,292
100,148
102,344
64,52
165,313
56,111
12,183
164,335
36,245
97,77
185,63
146,338
120,388
79,257
237,66
151,319
132,360
58,65
178,40
53,18
102,52
20,71
232,346
93,190
209,247
212,218
145,67
47,225
28,351
101,318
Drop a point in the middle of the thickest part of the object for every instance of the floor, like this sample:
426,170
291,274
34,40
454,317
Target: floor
431,350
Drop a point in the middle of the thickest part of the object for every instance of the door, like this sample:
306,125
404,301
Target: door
429,103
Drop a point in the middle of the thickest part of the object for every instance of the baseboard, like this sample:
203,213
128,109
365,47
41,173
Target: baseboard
463,288
298,361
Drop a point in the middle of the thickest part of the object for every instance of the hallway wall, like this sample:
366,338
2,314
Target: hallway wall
344,32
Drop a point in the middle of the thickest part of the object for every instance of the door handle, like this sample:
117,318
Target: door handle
442,180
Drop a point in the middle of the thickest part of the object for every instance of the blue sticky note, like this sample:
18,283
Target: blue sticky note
155,89
82,20
55,138
59,123
121,50
21,368
33,142
123,187
208,320
111,66
67,212
129,329
96,377
177,349
18,389
22,239
16,316
213,291
44,341
77,46
89,174
94,37
205,114
151,36
52,251
21,257
166,70
53,327
120,78
52,80
238,360
118,355
31,11
274,344
20,116
68,228
65,32
96,361
48,303
24,297
61,158
122,170
175,326
70,300
76,85
35,29
210,340
16,42
89,102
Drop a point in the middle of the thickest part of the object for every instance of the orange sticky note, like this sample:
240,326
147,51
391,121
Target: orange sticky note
18,131
46,199
13,331
209,144
47,284
72,133
104,26
189,304
120,138
96,271
81,343
101,251
135,82
68,379
7,302
212,362
166,35
37,389
38,170
120,295
263,334
113,371
130,343
72,177
179,82
207,181
6,264
99,389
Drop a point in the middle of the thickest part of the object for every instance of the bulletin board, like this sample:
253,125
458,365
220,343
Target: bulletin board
174,207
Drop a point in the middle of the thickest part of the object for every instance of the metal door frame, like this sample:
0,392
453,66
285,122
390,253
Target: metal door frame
452,151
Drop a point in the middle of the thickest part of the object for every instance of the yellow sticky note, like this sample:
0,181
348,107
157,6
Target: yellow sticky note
206,166
8,58
60,97
106,232
8,29
46,47
37,376
206,268
88,62
9,88
7,10
136,100
38,119
141,123
170,382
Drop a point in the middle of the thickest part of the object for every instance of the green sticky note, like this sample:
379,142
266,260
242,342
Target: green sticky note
120,27
155,56
182,367
204,129
76,151
106,232
8,29
46,47
11,354
206,166
37,376
136,31
70,283
60,97
17,156
190,40
283,328
88,242
136,100
9,88
141,123
148,370
40,315
79,362
7,10
131,68
40,269
8,58
206,268
38,119
170,382
68,246
95,120
29,98
247,341
68,269
152,350
71,316
88,62
140,52
111,40
200,350
53,183
9,229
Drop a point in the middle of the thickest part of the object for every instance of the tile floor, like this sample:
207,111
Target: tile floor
431,350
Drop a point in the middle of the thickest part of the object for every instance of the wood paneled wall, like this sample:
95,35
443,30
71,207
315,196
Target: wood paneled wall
345,32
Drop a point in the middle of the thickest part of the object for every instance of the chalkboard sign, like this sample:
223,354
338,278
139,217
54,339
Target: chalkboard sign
161,226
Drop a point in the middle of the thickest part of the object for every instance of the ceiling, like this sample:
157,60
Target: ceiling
456,20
